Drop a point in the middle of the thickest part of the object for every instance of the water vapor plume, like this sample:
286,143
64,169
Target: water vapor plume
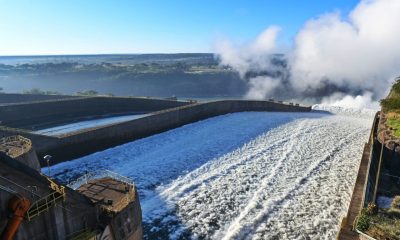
249,56
356,55
348,101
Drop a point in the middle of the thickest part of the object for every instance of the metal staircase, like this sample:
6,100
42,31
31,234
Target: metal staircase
43,204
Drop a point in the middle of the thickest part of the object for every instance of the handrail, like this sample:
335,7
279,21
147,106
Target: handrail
26,144
120,205
43,204
97,175
14,138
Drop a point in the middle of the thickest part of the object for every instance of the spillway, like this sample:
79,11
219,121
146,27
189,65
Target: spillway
85,124
251,175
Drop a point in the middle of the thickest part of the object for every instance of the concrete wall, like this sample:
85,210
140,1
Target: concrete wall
33,115
382,160
30,159
20,149
74,214
7,98
85,142
132,229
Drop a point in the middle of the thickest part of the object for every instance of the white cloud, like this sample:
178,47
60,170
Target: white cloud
360,52
248,56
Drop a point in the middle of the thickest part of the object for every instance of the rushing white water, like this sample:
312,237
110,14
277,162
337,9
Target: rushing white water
242,176
78,126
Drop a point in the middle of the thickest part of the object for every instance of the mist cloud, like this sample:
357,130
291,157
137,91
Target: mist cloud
347,101
253,55
358,54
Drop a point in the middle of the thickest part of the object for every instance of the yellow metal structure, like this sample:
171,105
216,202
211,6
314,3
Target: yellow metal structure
43,204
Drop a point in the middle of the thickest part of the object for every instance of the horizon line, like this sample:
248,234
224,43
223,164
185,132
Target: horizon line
101,54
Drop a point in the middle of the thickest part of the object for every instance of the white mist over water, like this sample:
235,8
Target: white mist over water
346,101
359,52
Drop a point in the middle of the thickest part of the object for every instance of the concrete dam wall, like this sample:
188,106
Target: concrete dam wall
9,98
67,217
84,142
54,211
38,114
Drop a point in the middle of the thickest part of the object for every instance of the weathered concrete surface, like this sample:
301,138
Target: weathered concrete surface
347,230
87,141
125,206
74,214
38,114
8,98
21,150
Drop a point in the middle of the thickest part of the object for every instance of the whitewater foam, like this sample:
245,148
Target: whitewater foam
244,175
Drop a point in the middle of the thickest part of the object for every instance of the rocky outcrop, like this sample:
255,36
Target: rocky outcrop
386,134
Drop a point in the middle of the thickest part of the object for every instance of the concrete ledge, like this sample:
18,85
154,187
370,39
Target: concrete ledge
34,114
10,98
87,141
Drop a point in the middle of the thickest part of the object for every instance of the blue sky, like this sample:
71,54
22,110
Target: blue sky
42,27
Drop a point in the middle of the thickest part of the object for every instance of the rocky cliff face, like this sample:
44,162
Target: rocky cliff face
386,134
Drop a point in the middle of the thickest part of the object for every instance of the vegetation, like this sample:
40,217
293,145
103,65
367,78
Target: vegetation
395,207
392,102
87,93
391,106
382,224
384,227
364,221
365,217
41,92
185,75
393,122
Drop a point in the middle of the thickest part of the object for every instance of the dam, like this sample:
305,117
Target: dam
101,203
87,123
248,175
161,115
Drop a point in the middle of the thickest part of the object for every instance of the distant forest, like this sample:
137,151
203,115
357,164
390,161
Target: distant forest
162,75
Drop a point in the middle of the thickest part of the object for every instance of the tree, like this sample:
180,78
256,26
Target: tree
87,93
34,91
38,91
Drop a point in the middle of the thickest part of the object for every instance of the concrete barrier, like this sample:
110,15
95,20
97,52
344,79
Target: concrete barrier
44,113
71,215
9,98
87,141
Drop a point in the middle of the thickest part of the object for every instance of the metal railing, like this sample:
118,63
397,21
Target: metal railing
7,143
44,204
120,205
15,138
97,175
